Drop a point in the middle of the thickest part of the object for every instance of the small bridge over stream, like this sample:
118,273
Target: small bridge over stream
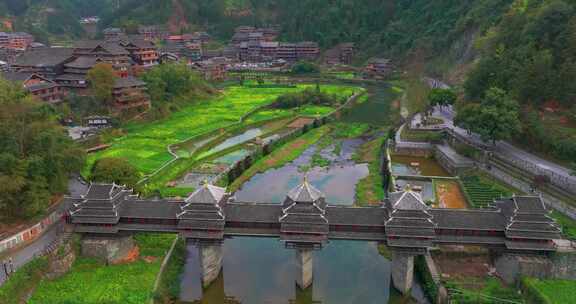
108,214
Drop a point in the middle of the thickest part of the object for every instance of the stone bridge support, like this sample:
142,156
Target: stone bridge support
109,248
403,270
210,262
305,262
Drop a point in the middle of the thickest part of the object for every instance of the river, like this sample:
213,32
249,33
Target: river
261,270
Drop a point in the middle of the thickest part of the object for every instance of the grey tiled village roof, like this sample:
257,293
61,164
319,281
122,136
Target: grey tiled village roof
44,57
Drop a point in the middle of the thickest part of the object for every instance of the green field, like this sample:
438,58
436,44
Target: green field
549,291
482,192
90,281
145,145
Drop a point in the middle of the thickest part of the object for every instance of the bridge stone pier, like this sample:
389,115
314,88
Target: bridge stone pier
305,260
108,214
402,270
210,262
109,248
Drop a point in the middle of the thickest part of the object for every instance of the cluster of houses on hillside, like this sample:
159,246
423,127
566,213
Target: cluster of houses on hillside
51,73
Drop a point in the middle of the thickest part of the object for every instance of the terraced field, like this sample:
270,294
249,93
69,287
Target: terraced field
482,192
145,145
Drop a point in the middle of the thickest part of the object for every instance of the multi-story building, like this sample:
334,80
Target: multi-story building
113,34
192,52
4,39
214,69
287,52
46,62
153,32
341,54
40,87
378,68
143,52
107,51
130,93
307,50
19,41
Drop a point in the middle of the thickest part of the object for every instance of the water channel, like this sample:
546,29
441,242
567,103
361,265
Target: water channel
261,270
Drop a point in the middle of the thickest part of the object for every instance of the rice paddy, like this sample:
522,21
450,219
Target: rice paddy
145,145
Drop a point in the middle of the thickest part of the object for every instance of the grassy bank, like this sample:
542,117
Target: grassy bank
145,145
90,281
568,224
370,190
549,291
23,281
284,154
169,287
488,290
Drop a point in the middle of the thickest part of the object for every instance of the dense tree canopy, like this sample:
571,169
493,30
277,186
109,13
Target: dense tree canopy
441,97
102,78
531,54
174,83
495,118
36,156
117,170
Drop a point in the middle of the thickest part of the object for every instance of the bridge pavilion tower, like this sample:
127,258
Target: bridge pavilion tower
202,221
304,227
410,231
96,215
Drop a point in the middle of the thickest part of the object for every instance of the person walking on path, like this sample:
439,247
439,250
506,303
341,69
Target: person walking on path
12,270
5,268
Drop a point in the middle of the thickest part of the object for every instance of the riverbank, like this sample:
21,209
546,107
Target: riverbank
91,281
284,154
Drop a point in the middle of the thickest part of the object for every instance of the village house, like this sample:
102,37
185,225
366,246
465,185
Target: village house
378,68
113,34
40,87
343,53
130,93
16,41
46,62
214,69
153,32
144,53
192,52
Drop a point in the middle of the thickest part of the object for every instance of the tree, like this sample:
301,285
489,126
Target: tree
169,82
102,78
305,67
117,170
495,118
36,156
441,97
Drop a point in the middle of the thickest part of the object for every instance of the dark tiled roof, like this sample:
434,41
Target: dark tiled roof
356,216
44,57
150,209
102,191
67,76
468,219
16,76
127,82
83,62
257,213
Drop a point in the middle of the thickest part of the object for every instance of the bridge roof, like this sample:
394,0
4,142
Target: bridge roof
468,219
356,216
150,209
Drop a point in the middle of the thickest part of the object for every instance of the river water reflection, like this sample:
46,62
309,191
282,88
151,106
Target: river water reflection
261,270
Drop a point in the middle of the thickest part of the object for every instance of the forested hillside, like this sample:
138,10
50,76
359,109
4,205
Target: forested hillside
389,27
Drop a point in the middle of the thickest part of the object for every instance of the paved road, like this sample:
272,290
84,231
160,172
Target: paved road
539,164
24,255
